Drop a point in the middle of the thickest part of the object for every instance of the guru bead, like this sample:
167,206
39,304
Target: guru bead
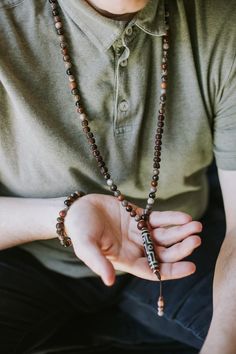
160,306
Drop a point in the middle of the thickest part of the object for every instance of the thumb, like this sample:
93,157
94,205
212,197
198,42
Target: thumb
92,256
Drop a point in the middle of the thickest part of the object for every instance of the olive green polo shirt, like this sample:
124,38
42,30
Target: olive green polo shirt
43,152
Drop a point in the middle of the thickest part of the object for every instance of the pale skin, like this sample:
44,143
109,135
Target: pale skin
106,238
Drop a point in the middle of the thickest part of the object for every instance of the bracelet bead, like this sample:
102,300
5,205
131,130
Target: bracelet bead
60,226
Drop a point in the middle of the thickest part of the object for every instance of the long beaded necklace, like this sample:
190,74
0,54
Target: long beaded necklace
142,220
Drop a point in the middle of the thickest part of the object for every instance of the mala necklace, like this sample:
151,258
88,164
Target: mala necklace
142,221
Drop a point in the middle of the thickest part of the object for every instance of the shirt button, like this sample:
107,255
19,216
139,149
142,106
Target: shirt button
124,106
129,31
124,63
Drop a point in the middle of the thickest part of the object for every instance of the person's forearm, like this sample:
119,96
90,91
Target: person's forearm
24,220
222,333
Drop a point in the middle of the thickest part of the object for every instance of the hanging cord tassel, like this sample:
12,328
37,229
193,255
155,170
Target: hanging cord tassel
154,266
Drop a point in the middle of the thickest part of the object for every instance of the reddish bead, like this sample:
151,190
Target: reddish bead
154,183
73,85
133,213
63,213
121,197
141,224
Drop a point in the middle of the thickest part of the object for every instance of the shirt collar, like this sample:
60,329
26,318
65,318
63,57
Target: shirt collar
151,20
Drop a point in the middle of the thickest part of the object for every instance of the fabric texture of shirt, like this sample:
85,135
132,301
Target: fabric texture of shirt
43,152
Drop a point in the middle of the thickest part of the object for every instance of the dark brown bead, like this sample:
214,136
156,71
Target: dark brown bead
157,159
101,164
99,158
163,98
60,225
80,110
52,1
60,232
157,148
90,140
96,153
73,85
142,224
103,170
86,130
93,147
157,153
67,203
133,213
129,208
60,31
84,123
75,91
161,117
69,72
158,136
155,165
160,131
63,45
154,183
55,12
164,78
164,66
107,176
162,111
78,104
155,177
113,188
145,217
64,51
89,135
160,124
158,142
60,219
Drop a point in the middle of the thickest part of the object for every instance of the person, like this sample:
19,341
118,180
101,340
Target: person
115,53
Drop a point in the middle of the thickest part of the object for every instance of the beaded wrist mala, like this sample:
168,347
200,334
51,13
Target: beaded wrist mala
60,226
142,220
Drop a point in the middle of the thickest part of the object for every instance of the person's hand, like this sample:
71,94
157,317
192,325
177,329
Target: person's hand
105,238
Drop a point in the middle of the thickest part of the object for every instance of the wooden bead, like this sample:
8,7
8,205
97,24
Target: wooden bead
141,224
121,197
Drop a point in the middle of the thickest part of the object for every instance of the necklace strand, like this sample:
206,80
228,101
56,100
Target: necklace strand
142,220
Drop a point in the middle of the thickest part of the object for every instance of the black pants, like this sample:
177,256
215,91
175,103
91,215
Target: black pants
35,302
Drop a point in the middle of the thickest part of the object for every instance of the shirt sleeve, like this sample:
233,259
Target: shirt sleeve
224,129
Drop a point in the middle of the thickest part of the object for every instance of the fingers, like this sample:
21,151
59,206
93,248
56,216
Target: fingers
178,251
92,256
141,269
169,236
168,218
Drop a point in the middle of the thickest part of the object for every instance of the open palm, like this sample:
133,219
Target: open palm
106,238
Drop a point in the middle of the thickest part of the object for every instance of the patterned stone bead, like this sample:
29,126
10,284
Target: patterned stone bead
68,65
150,201
109,182
82,117
129,208
117,193
124,203
121,197
107,176
58,25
